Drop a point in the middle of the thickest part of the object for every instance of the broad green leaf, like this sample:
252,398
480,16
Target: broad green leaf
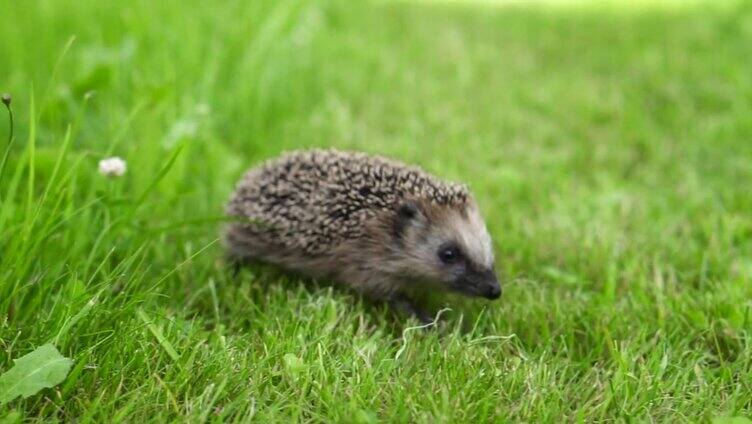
43,368
731,420
12,417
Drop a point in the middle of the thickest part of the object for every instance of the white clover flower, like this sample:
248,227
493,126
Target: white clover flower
112,167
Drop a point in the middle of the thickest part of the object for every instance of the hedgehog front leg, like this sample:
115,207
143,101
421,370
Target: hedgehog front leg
383,288
403,305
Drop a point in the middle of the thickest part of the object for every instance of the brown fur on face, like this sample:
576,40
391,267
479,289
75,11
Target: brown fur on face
379,226
403,247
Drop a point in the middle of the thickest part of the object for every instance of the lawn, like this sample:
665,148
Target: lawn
610,149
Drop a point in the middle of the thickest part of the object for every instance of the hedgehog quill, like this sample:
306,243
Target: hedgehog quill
386,229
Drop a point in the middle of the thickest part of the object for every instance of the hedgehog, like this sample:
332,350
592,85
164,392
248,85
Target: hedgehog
388,230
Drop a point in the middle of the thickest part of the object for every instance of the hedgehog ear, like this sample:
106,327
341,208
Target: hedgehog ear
408,210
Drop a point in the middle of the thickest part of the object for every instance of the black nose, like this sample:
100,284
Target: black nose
493,291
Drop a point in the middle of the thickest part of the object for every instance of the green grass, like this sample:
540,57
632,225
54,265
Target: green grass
610,149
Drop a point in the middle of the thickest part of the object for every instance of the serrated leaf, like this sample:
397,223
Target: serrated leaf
43,368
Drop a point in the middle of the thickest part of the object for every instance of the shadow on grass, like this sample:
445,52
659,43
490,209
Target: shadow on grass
260,288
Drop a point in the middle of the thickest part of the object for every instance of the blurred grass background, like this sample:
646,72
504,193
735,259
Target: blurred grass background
609,145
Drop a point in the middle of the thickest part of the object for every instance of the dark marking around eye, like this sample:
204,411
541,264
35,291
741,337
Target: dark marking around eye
449,253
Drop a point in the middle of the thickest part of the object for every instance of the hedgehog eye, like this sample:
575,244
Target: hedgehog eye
449,254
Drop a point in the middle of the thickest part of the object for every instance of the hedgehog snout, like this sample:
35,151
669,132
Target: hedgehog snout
479,283
489,286
492,288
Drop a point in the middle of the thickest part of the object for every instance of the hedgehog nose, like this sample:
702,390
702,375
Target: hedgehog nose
493,288
493,291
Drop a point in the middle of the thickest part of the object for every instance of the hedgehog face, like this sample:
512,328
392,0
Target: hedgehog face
447,245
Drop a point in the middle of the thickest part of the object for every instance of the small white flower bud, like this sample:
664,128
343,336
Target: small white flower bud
112,167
